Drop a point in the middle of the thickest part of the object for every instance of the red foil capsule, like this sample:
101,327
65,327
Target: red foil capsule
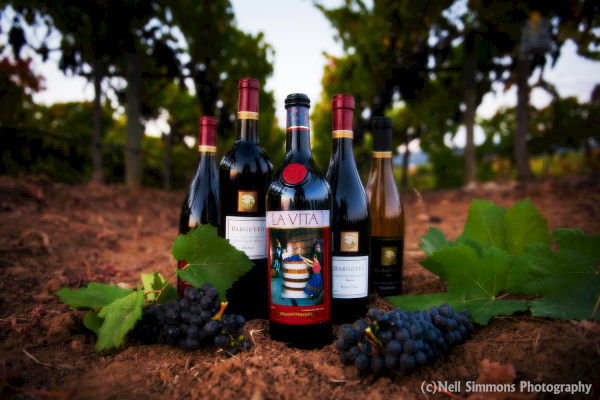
248,95
342,107
208,131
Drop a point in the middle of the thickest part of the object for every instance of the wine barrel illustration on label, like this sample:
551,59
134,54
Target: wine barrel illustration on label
295,275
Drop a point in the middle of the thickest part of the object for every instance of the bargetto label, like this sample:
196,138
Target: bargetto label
350,277
248,234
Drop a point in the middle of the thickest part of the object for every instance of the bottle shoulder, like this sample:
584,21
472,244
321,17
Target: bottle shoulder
313,192
247,156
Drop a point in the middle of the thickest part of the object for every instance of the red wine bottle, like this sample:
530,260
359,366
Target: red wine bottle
201,204
387,214
244,176
298,224
351,223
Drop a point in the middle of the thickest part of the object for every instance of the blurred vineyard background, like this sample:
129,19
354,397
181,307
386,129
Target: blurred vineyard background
426,64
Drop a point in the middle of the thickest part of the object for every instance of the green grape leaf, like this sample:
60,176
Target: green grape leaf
92,321
95,295
434,240
568,279
119,317
484,228
210,259
524,225
155,281
475,282
431,242
482,310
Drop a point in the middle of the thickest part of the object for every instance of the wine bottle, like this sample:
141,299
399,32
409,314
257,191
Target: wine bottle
298,226
351,222
244,176
387,214
201,204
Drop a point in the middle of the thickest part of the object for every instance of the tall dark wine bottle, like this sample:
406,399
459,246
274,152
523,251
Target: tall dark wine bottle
298,226
387,214
201,204
351,223
244,177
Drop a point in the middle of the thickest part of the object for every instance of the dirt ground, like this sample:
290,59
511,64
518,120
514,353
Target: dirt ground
53,235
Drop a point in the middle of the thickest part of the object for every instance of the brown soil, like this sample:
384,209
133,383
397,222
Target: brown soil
55,235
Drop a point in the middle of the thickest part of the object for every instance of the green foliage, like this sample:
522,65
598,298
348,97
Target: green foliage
119,317
568,280
508,251
93,322
114,311
154,282
95,295
447,168
475,283
210,259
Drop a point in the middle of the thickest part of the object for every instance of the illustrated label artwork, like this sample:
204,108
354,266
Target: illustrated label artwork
247,201
350,277
248,234
386,273
298,249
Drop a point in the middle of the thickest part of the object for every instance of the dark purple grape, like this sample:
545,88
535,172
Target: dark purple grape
221,341
211,328
391,361
377,363
362,362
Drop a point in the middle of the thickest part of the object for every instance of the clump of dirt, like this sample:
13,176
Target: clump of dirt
55,235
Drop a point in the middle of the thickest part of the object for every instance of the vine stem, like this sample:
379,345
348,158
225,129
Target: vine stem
161,291
595,309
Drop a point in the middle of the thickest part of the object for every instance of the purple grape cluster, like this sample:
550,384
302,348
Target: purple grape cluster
195,320
402,341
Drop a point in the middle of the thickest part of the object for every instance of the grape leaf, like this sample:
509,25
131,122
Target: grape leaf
474,282
485,227
524,225
434,240
155,281
482,310
431,242
95,295
210,259
568,279
92,321
120,317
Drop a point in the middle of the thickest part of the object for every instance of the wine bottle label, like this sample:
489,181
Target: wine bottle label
247,201
382,154
386,265
247,115
343,134
299,256
297,118
349,241
247,234
350,277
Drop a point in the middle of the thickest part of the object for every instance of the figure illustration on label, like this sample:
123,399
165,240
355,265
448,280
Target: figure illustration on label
314,287
299,277
276,267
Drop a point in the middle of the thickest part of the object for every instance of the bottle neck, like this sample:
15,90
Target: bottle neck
298,131
247,130
342,150
382,166
207,160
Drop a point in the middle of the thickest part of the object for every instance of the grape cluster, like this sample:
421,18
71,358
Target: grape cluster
399,340
196,319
